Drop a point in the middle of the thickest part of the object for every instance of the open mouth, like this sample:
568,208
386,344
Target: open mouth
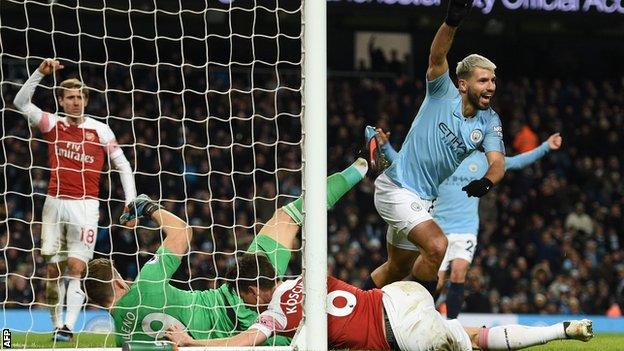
486,98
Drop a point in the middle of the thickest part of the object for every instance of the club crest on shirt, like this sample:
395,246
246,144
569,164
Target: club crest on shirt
476,135
473,167
90,136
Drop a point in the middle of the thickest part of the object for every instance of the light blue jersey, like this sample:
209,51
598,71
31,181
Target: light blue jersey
441,138
454,211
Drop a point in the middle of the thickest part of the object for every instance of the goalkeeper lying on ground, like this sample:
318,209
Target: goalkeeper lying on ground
144,310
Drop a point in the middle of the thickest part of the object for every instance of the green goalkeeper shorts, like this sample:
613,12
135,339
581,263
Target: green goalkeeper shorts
277,253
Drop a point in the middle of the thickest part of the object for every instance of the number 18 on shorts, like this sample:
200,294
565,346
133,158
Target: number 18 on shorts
69,229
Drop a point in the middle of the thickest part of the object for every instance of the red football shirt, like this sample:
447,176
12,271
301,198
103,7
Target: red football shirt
76,155
354,316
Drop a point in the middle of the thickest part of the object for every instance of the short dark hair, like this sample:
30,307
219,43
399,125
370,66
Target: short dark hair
251,269
98,281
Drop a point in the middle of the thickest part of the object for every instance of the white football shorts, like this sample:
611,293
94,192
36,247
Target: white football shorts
401,209
459,246
416,324
69,229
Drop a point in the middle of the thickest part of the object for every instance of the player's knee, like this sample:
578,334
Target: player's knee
436,249
75,270
398,271
52,270
458,276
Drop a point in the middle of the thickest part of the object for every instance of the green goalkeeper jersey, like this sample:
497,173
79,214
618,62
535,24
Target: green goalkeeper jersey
153,303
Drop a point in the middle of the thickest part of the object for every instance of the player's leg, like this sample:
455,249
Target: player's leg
52,240
442,274
398,266
460,250
516,337
75,296
433,243
404,212
277,237
455,294
55,291
416,324
82,229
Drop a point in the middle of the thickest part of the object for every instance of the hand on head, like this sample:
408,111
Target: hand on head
49,65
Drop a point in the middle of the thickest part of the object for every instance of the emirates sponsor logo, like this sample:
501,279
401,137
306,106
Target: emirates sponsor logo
73,151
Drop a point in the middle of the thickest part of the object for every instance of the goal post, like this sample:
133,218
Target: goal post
220,107
314,47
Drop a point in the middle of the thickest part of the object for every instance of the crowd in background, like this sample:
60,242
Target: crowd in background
551,235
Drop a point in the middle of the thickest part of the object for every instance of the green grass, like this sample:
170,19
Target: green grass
601,342
44,340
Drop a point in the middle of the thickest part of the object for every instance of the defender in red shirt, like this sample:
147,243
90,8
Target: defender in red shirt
400,316
78,148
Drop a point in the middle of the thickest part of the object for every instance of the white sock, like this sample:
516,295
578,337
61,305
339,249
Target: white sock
55,296
361,166
75,298
514,337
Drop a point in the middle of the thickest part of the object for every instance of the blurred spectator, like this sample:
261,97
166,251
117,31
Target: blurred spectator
525,140
224,168
579,220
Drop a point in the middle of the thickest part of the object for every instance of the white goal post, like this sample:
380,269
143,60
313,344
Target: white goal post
314,48
217,104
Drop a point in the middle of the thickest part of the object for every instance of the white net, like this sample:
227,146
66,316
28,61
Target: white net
204,98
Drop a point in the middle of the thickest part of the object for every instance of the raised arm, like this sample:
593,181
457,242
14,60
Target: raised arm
440,47
24,96
456,12
529,157
178,234
250,337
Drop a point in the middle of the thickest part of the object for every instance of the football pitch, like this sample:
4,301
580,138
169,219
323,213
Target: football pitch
602,342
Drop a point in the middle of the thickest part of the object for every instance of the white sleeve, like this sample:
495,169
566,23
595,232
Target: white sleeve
44,121
120,162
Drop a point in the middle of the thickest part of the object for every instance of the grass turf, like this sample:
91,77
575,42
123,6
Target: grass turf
601,342
44,340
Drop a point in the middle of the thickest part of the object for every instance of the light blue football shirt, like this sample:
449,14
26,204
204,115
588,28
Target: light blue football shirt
440,138
454,211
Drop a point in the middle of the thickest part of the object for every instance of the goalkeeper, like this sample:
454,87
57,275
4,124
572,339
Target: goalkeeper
145,309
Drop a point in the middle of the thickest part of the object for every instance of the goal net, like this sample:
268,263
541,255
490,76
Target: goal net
206,100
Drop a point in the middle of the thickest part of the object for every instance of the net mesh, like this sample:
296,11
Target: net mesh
204,98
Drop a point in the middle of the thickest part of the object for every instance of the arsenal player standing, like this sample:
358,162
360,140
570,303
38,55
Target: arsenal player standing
77,150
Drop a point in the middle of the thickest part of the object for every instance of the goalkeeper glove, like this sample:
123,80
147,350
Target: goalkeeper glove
478,187
141,206
457,11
